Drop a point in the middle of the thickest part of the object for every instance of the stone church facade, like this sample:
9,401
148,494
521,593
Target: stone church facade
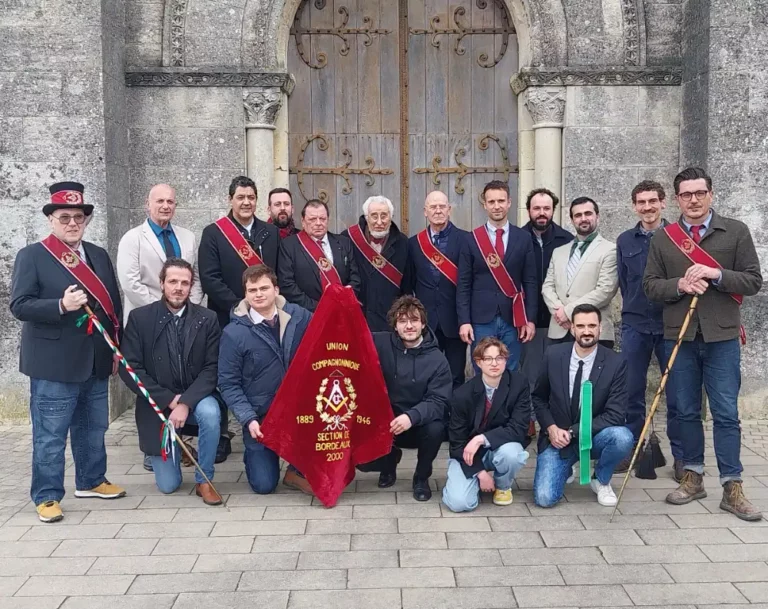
346,98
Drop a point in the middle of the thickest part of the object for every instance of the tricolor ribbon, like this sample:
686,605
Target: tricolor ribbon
585,433
168,442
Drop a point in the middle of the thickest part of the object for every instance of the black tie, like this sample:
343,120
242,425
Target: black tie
575,396
271,322
167,245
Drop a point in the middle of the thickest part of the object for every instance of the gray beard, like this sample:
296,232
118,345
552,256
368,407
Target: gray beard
378,234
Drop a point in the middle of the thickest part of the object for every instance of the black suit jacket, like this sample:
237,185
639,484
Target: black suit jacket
377,293
221,268
508,418
145,348
438,295
553,402
53,348
299,277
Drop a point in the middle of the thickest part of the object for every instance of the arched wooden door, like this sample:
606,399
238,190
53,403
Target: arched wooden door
400,97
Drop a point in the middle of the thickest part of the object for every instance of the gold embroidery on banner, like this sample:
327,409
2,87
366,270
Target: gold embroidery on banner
330,407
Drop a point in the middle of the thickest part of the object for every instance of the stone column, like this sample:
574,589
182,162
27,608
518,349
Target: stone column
546,105
261,108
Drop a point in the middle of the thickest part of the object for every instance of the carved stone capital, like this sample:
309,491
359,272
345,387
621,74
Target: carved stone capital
262,106
546,106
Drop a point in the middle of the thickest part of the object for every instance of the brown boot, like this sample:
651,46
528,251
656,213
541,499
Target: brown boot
679,470
690,489
293,480
736,503
210,497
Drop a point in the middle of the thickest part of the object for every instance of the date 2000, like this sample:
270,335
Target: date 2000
334,456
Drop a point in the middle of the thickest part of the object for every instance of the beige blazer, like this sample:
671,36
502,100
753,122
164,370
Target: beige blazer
595,282
140,257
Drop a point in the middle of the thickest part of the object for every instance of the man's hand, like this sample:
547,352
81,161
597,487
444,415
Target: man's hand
466,333
179,415
559,438
527,332
684,286
115,364
255,430
174,402
487,484
400,424
471,448
73,299
561,318
701,271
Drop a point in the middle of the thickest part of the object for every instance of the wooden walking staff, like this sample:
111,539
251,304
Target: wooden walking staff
657,397
92,319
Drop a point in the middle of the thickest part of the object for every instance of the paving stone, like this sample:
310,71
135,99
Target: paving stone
177,501
30,519
128,516
719,572
185,582
374,525
755,592
281,499
44,566
144,601
580,539
552,556
569,509
75,585
494,540
467,577
209,515
673,594
267,561
232,600
40,602
536,523
345,599
712,521
485,510
688,537
204,545
615,574
368,559
745,552
399,541
308,512
571,596
751,535
621,521
9,585
449,558
445,525
409,577
380,498
320,579
166,529
301,543
258,527
27,549
129,502
458,598
416,510
141,565
637,555
10,533
106,547
659,507
79,531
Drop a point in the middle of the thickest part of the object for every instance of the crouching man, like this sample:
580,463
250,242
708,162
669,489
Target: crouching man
419,384
557,400
173,345
487,431
257,346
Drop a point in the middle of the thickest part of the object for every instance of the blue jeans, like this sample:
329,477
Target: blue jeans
460,493
207,416
505,332
82,409
718,366
609,447
262,465
637,349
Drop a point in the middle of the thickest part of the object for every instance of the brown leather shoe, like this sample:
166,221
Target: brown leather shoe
736,503
210,497
690,489
293,480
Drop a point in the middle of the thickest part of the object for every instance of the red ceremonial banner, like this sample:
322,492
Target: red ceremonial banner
332,411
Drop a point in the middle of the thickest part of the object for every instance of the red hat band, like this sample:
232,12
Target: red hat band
67,197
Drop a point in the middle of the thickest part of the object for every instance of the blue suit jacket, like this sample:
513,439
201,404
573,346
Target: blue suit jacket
478,297
438,295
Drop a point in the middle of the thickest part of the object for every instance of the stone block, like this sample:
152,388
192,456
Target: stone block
643,555
267,561
106,547
538,523
445,525
30,94
144,33
59,49
571,596
457,541
719,572
752,535
237,528
321,579
755,592
27,549
688,537
301,543
416,510
141,565
752,552
185,582
144,601
449,558
11,142
128,516
614,574
357,498
246,501
415,577
209,47
579,539
660,521
24,567
410,541
9,533
75,585
674,594
63,137
354,526
620,146
471,577
232,600
349,560
136,531
601,106
40,602
308,512
458,598
660,507
345,599
192,107
221,148
204,545
729,13
659,106
230,514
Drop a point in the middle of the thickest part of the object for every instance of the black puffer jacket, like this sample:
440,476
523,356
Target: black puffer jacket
419,381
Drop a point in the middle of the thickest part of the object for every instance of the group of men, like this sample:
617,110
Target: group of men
534,298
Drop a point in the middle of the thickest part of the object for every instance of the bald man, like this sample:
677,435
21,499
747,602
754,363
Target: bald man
434,257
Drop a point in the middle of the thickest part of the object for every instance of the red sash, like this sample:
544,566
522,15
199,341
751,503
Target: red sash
238,242
327,271
449,270
379,262
501,275
697,255
71,261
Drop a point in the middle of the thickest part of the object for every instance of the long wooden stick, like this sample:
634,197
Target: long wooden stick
95,320
657,397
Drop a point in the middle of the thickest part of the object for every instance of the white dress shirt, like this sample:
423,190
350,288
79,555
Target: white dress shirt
574,367
492,234
326,247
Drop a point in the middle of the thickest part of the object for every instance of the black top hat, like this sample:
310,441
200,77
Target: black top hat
67,195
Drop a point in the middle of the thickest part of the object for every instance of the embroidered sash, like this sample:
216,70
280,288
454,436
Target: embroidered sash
449,270
377,261
238,242
327,271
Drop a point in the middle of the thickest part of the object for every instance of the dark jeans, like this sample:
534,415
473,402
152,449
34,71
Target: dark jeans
568,338
637,349
718,366
506,333
82,409
455,351
262,465
426,438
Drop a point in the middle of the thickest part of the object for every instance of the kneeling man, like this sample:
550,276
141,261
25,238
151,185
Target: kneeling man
173,346
419,384
487,431
556,398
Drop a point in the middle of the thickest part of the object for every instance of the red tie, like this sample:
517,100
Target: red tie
696,233
485,414
500,242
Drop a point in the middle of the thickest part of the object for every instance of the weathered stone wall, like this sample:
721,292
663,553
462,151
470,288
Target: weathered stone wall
664,32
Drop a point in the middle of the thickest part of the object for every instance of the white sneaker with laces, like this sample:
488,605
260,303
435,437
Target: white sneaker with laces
604,492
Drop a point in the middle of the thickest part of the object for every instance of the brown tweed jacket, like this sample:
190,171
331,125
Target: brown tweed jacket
717,316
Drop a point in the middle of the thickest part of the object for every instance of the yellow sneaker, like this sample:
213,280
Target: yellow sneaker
50,511
105,490
502,497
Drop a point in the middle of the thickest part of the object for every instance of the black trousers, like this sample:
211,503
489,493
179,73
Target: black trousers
426,438
455,351
568,338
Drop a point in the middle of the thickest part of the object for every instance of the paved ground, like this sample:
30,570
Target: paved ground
376,549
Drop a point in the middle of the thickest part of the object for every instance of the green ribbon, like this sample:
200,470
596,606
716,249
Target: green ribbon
585,433
582,245
82,320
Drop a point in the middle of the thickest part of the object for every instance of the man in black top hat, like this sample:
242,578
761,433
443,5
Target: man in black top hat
68,362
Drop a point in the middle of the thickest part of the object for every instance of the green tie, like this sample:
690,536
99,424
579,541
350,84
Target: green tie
585,432
582,245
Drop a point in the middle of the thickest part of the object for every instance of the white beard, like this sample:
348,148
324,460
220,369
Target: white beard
378,234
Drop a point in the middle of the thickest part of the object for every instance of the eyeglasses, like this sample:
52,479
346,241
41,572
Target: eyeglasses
687,197
66,218
499,359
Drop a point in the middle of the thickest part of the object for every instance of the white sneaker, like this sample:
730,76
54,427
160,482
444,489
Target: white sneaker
604,492
572,477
